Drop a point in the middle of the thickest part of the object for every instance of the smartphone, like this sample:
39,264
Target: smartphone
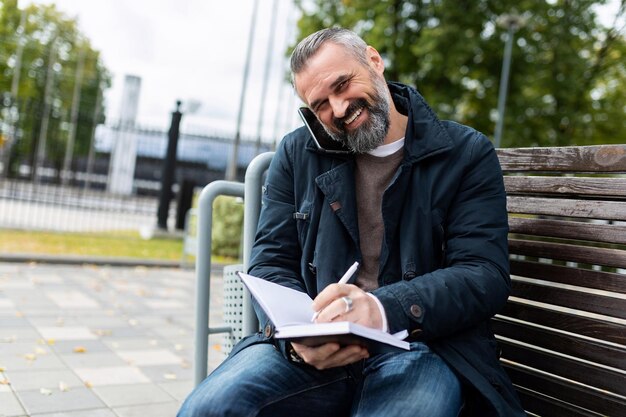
321,138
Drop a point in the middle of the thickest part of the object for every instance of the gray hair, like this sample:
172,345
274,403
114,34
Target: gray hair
309,46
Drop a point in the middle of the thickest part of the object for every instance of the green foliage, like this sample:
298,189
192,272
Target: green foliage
568,72
46,28
227,227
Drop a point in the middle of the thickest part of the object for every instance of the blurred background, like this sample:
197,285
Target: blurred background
113,114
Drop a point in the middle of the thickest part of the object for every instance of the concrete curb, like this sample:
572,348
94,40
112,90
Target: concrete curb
89,260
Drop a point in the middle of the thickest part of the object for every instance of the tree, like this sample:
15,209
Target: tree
47,34
567,69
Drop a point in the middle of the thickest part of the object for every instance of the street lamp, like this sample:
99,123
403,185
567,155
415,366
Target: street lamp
512,22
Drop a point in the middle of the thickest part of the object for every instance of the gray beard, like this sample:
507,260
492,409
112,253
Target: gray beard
371,134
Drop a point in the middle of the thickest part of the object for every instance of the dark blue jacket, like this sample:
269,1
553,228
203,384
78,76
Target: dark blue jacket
444,261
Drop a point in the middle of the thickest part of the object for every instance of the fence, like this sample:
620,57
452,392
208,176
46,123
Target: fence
85,198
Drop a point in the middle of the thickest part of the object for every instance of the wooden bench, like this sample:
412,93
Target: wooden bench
563,331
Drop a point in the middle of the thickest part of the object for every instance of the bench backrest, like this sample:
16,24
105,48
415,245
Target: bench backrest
563,332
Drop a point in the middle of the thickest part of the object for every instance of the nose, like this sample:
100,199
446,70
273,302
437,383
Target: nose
339,106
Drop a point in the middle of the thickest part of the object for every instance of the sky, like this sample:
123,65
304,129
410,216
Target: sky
195,51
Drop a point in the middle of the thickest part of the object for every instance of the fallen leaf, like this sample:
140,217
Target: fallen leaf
80,349
217,347
40,351
30,356
45,391
63,387
169,376
88,384
4,382
50,342
2,368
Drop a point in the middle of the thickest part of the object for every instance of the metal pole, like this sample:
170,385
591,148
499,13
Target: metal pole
268,63
71,136
169,169
231,169
15,83
252,209
43,130
280,110
203,269
92,151
512,23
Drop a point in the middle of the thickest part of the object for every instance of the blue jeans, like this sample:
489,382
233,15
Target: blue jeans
259,381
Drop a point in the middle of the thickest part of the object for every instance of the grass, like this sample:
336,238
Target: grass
116,244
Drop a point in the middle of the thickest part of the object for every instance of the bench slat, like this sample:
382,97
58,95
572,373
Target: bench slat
605,233
592,351
601,158
600,280
588,374
567,252
575,186
585,326
586,301
587,209
566,319
544,406
580,396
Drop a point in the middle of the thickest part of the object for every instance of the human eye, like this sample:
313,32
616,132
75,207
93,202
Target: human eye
320,106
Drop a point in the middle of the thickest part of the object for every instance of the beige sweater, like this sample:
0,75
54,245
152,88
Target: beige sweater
372,176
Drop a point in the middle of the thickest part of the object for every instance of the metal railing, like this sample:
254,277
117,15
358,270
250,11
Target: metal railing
251,192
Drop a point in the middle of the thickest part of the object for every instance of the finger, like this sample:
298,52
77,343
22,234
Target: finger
342,357
315,353
329,294
336,310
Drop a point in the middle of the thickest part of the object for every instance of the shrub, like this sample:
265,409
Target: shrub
227,227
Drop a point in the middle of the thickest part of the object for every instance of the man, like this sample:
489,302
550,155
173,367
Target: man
420,203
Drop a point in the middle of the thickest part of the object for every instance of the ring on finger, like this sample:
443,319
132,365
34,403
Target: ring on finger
348,302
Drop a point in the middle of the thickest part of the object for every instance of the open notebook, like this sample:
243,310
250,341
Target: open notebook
291,313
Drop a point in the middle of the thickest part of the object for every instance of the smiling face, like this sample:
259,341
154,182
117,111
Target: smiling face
349,98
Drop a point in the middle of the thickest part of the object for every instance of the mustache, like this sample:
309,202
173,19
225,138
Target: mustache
339,122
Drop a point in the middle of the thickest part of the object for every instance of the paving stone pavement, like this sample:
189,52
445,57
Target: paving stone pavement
97,341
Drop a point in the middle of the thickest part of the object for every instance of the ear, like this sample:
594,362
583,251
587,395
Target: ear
375,60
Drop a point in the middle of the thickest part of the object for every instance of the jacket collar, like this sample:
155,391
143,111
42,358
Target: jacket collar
425,134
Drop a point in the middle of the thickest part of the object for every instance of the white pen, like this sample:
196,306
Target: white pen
343,280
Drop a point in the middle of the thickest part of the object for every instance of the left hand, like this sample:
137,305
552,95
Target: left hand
364,310
330,355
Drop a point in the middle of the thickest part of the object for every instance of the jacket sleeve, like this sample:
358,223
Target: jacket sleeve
474,282
276,251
